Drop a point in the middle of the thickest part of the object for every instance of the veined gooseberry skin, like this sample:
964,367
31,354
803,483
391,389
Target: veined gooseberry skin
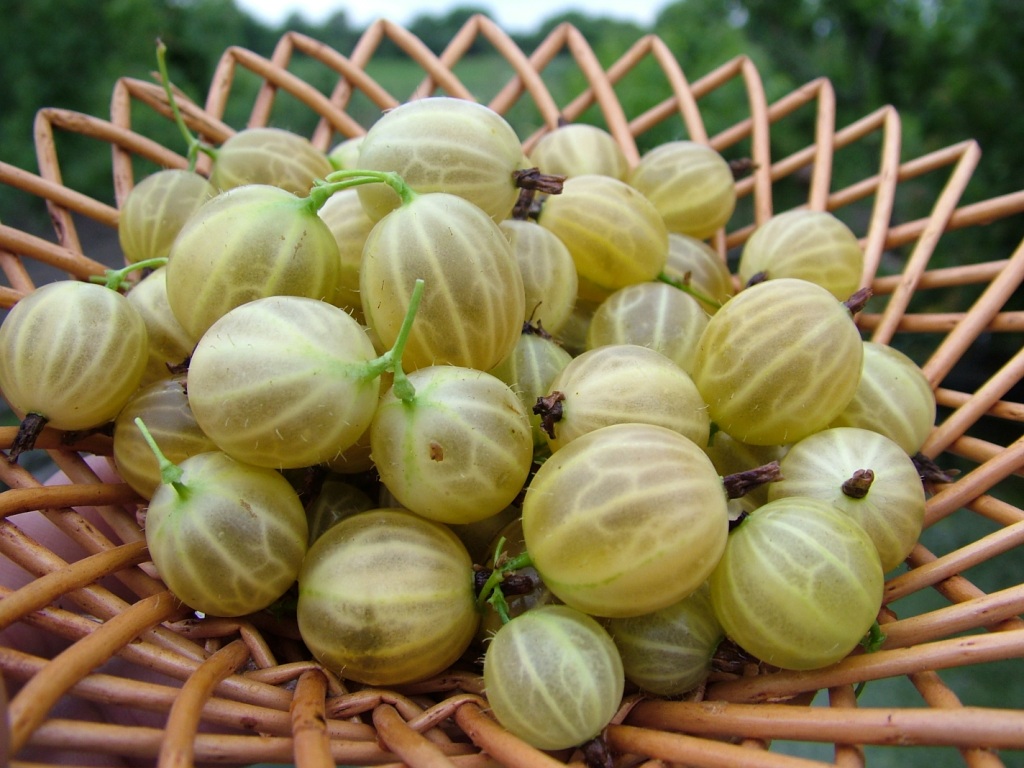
577,149
474,302
698,263
284,382
690,184
668,652
891,510
72,352
163,406
169,344
811,245
459,451
615,235
529,371
654,315
386,598
266,155
779,361
549,274
799,585
553,677
893,398
625,520
443,144
232,542
348,222
247,243
156,209
623,383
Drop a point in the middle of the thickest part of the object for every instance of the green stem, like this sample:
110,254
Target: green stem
490,592
355,177
115,278
170,473
685,287
392,359
195,146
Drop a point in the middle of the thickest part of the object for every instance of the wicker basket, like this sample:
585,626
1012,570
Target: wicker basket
103,664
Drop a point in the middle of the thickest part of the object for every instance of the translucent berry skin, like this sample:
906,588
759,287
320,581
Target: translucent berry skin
283,382
778,361
799,585
443,144
473,301
615,235
810,245
627,383
248,243
549,274
156,209
697,262
893,398
163,407
690,184
553,677
271,156
169,344
891,511
386,598
578,149
625,520
459,451
668,652
348,222
654,315
73,352
233,543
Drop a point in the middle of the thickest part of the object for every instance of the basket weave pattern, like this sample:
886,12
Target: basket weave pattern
107,635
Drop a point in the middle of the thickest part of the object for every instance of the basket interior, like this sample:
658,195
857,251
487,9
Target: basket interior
89,630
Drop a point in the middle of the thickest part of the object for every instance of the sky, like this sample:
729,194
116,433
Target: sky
518,16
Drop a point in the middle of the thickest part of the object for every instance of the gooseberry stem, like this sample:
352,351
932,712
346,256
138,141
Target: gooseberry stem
392,359
115,278
195,146
355,177
491,592
684,286
170,473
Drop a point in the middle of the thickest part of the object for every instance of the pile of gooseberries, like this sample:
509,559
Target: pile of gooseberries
415,387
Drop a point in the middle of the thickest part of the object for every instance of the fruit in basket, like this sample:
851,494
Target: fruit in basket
778,361
696,264
577,149
286,381
799,584
625,520
690,185
247,243
654,315
443,144
265,155
808,244
156,209
386,597
893,398
668,652
71,354
615,235
164,407
473,308
617,384
458,450
553,677
550,282
169,344
867,476
226,537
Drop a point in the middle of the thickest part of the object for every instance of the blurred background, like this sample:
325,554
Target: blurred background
953,68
